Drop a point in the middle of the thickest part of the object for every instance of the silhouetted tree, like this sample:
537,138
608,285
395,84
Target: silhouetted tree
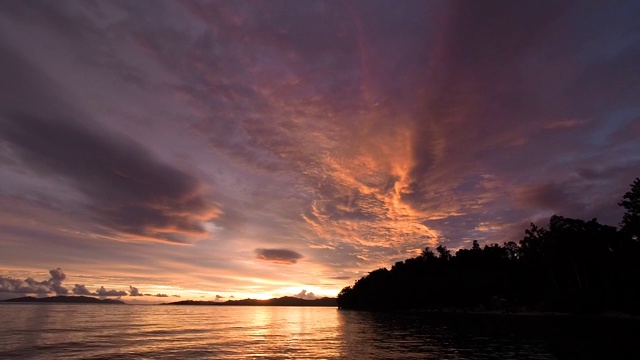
512,250
443,253
572,265
427,254
631,219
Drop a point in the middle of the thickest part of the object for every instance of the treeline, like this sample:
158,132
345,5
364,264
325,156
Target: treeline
571,266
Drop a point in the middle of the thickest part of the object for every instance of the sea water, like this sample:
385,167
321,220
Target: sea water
86,331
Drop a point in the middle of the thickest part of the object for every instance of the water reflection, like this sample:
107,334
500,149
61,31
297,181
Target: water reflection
407,336
201,332
487,336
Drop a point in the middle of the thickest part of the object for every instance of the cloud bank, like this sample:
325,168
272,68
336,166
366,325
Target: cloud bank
54,286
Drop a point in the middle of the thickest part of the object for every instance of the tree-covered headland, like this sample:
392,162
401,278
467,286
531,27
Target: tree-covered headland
571,266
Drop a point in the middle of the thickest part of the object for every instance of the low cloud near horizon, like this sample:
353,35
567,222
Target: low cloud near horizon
32,286
53,286
306,295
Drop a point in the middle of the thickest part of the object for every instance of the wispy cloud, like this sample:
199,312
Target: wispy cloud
353,133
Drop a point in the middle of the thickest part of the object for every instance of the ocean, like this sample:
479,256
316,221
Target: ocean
85,331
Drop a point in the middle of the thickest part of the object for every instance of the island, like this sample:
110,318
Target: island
282,301
570,266
65,300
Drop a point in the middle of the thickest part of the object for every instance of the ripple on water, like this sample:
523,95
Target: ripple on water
198,332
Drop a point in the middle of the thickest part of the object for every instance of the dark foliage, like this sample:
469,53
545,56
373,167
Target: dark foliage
571,266
631,219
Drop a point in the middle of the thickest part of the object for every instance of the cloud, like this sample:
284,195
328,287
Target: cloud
552,196
31,286
27,286
133,291
102,292
341,277
54,285
358,131
128,190
51,286
57,276
306,295
278,256
218,297
160,295
79,289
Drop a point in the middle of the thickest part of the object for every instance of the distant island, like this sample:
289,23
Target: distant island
283,301
65,300
572,266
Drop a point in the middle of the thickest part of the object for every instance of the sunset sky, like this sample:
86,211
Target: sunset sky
269,148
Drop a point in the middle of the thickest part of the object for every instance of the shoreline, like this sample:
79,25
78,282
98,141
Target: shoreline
502,313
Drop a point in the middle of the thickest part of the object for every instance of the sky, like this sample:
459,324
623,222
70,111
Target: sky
215,150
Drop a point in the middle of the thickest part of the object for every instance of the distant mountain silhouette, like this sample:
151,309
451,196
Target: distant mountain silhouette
65,300
283,301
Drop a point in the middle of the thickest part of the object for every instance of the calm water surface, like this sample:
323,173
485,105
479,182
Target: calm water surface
74,331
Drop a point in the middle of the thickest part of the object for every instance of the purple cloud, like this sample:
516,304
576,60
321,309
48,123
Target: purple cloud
102,292
32,286
360,131
278,256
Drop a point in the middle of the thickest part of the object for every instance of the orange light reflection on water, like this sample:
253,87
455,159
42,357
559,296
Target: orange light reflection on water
234,332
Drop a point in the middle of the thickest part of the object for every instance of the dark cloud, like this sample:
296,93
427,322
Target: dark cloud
218,297
484,49
32,286
553,196
341,277
278,256
79,289
133,291
27,286
161,295
103,293
57,276
128,190
493,106
491,85
54,285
